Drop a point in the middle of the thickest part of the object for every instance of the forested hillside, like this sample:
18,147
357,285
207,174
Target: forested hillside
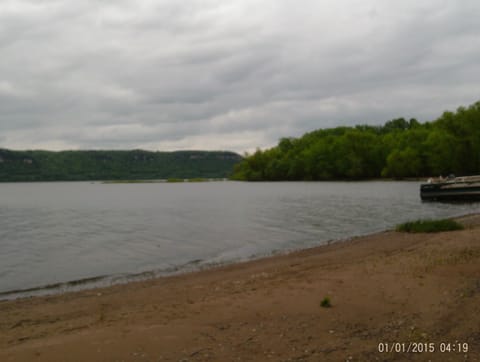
398,149
113,165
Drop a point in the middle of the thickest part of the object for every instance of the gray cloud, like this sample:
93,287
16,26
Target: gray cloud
226,74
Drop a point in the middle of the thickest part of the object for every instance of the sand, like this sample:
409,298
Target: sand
421,291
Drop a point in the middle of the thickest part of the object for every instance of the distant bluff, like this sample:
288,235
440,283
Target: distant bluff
40,165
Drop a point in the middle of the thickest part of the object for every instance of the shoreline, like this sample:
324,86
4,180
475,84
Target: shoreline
384,287
108,281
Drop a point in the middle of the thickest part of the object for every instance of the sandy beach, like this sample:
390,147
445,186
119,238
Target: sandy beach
415,294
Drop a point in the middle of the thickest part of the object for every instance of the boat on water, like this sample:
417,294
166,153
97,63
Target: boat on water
466,188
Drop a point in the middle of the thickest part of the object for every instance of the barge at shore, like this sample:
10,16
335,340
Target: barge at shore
466,188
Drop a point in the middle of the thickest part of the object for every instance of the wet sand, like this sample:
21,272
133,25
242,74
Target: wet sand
389,287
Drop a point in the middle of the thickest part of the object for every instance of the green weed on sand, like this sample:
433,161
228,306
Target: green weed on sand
429,226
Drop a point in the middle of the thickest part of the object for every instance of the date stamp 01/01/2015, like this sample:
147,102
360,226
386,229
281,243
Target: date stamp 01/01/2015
422,347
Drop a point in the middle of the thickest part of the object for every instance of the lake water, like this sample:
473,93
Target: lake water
62,236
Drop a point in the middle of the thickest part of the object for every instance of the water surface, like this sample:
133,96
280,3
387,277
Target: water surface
96,234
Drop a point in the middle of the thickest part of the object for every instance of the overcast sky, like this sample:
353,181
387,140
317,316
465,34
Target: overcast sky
226,74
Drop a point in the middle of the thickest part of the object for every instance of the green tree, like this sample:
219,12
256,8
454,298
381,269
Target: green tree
403,163
398,149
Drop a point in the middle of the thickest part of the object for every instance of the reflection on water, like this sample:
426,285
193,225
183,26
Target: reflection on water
53,233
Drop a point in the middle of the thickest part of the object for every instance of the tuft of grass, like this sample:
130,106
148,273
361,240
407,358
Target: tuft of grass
197,179
173,180
429,226
326,303
130,181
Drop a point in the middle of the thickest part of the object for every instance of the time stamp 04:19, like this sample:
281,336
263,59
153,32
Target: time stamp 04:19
422,347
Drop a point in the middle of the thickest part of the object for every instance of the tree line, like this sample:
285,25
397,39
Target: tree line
398,149
114,165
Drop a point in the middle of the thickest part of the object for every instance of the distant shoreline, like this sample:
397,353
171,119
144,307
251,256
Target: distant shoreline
95,165
214,179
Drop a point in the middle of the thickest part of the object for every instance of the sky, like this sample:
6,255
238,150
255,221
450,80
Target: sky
229,74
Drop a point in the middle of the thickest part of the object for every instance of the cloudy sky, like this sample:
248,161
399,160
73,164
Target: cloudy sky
226,74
